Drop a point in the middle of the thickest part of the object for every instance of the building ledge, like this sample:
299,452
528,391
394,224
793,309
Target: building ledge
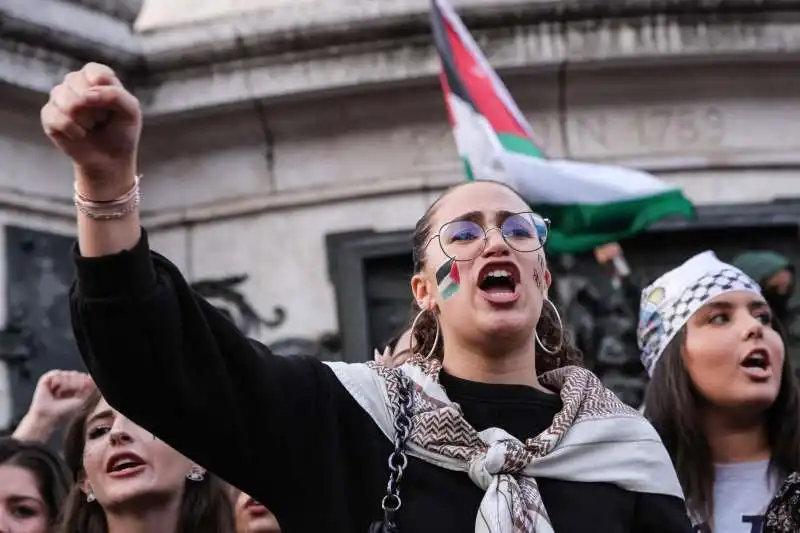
304,49
125,10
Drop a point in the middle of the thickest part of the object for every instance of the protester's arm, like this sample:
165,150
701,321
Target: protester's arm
178,367
277,428
58,395
631,292
657,513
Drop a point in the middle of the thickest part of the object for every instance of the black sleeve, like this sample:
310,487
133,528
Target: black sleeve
276,427
657,513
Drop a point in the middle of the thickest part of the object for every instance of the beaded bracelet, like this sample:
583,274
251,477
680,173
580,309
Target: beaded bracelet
110,209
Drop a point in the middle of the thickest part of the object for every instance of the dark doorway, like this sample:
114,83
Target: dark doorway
38,335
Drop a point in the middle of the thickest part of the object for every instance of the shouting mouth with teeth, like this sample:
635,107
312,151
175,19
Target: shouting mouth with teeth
124,464
499,282
757,365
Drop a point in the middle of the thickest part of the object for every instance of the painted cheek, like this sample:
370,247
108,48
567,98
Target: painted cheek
448,278
537,278
538,272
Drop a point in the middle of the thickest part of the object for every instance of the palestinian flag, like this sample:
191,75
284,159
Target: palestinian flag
588,204
448,279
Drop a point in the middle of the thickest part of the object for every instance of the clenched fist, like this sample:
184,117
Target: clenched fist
93,119
58,395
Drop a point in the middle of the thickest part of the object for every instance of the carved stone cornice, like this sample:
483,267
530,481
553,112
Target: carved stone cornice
337,45
542,46
70,29
308,26
126,10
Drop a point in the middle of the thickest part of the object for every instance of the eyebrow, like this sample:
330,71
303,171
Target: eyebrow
755,304
105,413
478,216
19,498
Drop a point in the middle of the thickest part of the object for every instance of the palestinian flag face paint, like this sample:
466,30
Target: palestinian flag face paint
448,279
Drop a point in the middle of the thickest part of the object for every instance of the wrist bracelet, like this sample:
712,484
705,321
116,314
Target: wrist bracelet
109,209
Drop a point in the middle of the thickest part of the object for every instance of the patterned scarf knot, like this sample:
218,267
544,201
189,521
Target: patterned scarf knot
594,438
498,458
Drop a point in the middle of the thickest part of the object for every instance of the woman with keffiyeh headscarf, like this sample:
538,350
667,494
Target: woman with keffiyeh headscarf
722,396
488,427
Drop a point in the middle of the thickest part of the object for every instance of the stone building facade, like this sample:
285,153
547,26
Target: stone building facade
281,136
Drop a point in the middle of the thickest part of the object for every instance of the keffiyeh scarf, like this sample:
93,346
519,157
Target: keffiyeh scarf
783,513
594,438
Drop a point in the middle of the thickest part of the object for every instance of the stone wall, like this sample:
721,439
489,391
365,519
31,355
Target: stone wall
375,161
256,193
253,154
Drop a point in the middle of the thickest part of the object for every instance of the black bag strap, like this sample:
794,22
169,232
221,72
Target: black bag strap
398,460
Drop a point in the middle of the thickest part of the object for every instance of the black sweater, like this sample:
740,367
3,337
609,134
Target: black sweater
285,430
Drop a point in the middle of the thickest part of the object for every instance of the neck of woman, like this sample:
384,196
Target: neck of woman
737,441
511,365
153,519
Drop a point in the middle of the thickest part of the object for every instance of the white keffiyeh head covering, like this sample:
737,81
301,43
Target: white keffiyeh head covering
595,438
670,301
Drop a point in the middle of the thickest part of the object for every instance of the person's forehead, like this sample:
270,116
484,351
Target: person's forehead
102,405
19,481
485,197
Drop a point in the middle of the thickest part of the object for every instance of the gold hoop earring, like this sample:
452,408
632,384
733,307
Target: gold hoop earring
414,325
551,351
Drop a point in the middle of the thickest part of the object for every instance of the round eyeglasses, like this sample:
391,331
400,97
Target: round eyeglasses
464,240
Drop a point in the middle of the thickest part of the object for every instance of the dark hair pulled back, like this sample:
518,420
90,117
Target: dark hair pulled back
424,334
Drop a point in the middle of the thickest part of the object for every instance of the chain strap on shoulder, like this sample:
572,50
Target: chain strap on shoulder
398,460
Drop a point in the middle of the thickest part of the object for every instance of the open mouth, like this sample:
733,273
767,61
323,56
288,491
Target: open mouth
124,462
756,360
498,279
255,508
252,503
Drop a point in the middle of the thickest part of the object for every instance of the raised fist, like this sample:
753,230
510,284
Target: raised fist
93,119
59,393
607,252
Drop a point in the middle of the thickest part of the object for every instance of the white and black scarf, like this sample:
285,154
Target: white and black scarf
593,438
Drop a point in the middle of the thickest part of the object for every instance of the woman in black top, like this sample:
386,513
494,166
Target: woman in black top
486,441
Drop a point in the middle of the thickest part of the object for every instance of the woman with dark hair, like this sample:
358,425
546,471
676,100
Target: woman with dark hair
488,427
33,485
127,480
721,394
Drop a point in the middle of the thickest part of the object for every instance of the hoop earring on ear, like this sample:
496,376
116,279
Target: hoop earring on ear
414,325
551,351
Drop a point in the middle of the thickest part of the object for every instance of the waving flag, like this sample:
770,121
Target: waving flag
588,204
